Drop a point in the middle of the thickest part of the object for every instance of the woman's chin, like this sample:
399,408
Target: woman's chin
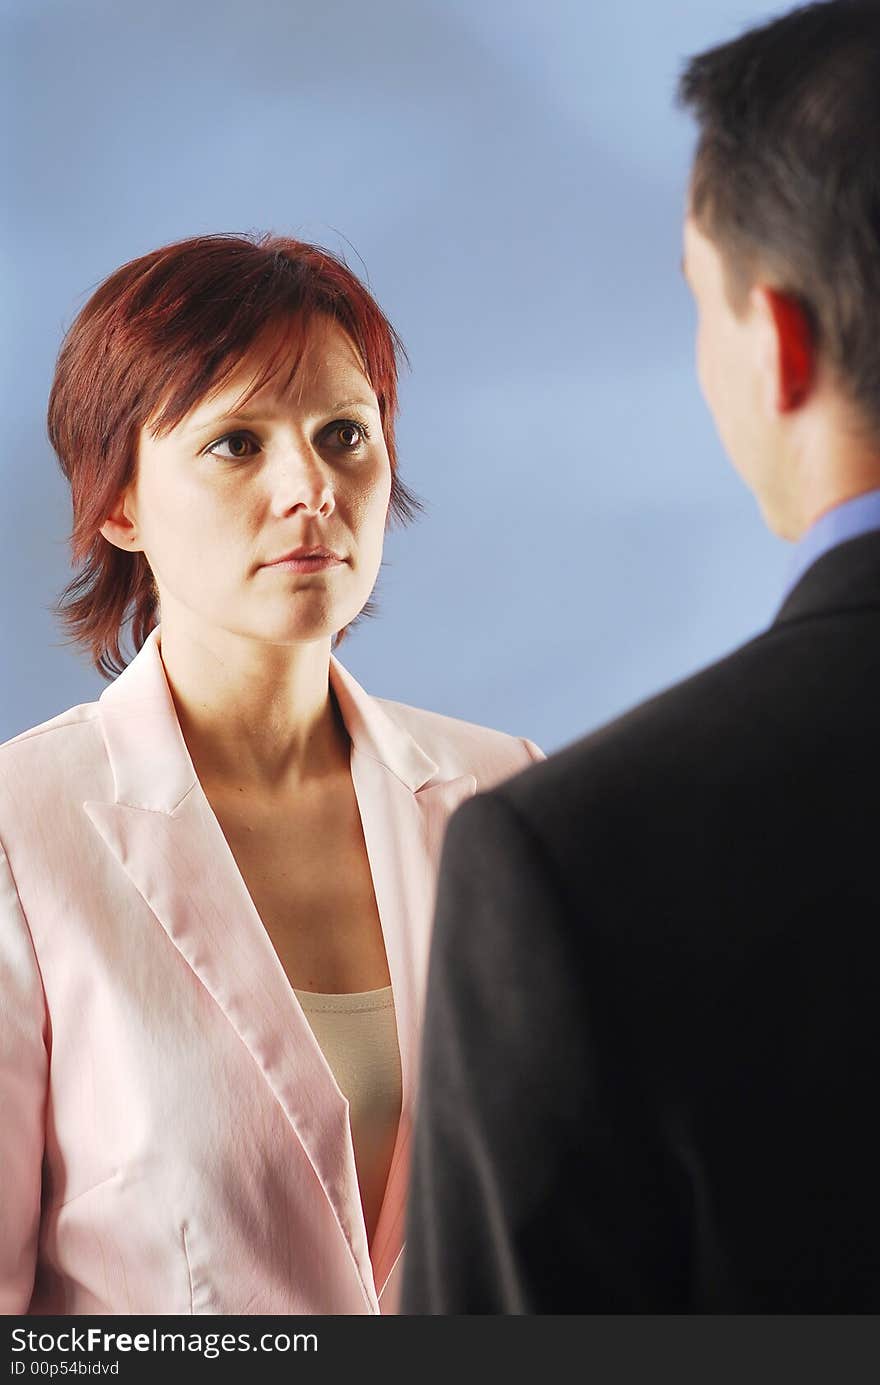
297,630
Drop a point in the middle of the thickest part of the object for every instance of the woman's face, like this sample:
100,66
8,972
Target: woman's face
226,493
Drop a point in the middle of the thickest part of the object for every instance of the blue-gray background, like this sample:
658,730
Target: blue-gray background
511,176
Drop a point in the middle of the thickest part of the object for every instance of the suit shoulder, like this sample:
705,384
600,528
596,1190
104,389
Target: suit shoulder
45,752
82,713
463,747
685,732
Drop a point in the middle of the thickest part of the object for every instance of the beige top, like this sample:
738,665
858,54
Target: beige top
358,1037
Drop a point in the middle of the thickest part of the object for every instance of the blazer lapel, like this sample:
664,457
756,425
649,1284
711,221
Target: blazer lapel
404,805
164,834
162,830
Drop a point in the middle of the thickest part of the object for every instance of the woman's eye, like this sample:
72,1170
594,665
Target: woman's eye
349,434
237,444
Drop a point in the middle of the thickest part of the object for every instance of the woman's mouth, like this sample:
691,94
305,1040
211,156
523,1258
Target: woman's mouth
306,560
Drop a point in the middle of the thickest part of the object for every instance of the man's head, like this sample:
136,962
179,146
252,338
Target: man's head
782,251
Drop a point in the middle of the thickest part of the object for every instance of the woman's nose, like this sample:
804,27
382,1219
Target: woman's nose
302,481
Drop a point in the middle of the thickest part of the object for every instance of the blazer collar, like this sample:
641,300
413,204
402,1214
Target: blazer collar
404,802
151,764
375,734
846,577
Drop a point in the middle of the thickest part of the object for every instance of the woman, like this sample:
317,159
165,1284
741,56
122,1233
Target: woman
216,881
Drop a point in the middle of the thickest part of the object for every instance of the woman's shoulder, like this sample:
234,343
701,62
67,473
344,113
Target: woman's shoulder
463,747
44,756
34,737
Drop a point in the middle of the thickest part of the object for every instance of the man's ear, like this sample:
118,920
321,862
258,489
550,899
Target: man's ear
789,352
119,529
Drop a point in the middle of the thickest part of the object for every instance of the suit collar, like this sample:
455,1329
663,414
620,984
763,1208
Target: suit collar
846,577
374,733
847,520
178,859
152,767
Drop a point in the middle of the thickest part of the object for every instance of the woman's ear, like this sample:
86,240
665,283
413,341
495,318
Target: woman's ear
788,354
119,529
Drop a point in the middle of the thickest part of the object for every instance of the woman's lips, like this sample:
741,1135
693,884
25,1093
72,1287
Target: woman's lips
305,561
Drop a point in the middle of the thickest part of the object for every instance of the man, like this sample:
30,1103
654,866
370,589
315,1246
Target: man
652,1043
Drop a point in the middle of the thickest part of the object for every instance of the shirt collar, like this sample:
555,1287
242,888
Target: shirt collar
845,521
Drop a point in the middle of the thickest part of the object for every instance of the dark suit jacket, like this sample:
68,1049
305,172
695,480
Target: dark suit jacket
651,1061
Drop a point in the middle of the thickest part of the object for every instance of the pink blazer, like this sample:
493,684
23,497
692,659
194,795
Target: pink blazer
172,1138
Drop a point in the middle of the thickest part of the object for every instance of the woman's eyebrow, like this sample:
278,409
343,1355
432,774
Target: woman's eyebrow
359,403
266,415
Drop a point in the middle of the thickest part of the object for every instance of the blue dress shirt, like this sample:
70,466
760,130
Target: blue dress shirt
847,521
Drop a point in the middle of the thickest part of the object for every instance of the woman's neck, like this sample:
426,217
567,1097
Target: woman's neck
255,716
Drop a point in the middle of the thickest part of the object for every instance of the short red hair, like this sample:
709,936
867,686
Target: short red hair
155,337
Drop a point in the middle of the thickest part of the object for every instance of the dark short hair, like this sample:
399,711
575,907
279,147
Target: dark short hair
155,337
786,177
